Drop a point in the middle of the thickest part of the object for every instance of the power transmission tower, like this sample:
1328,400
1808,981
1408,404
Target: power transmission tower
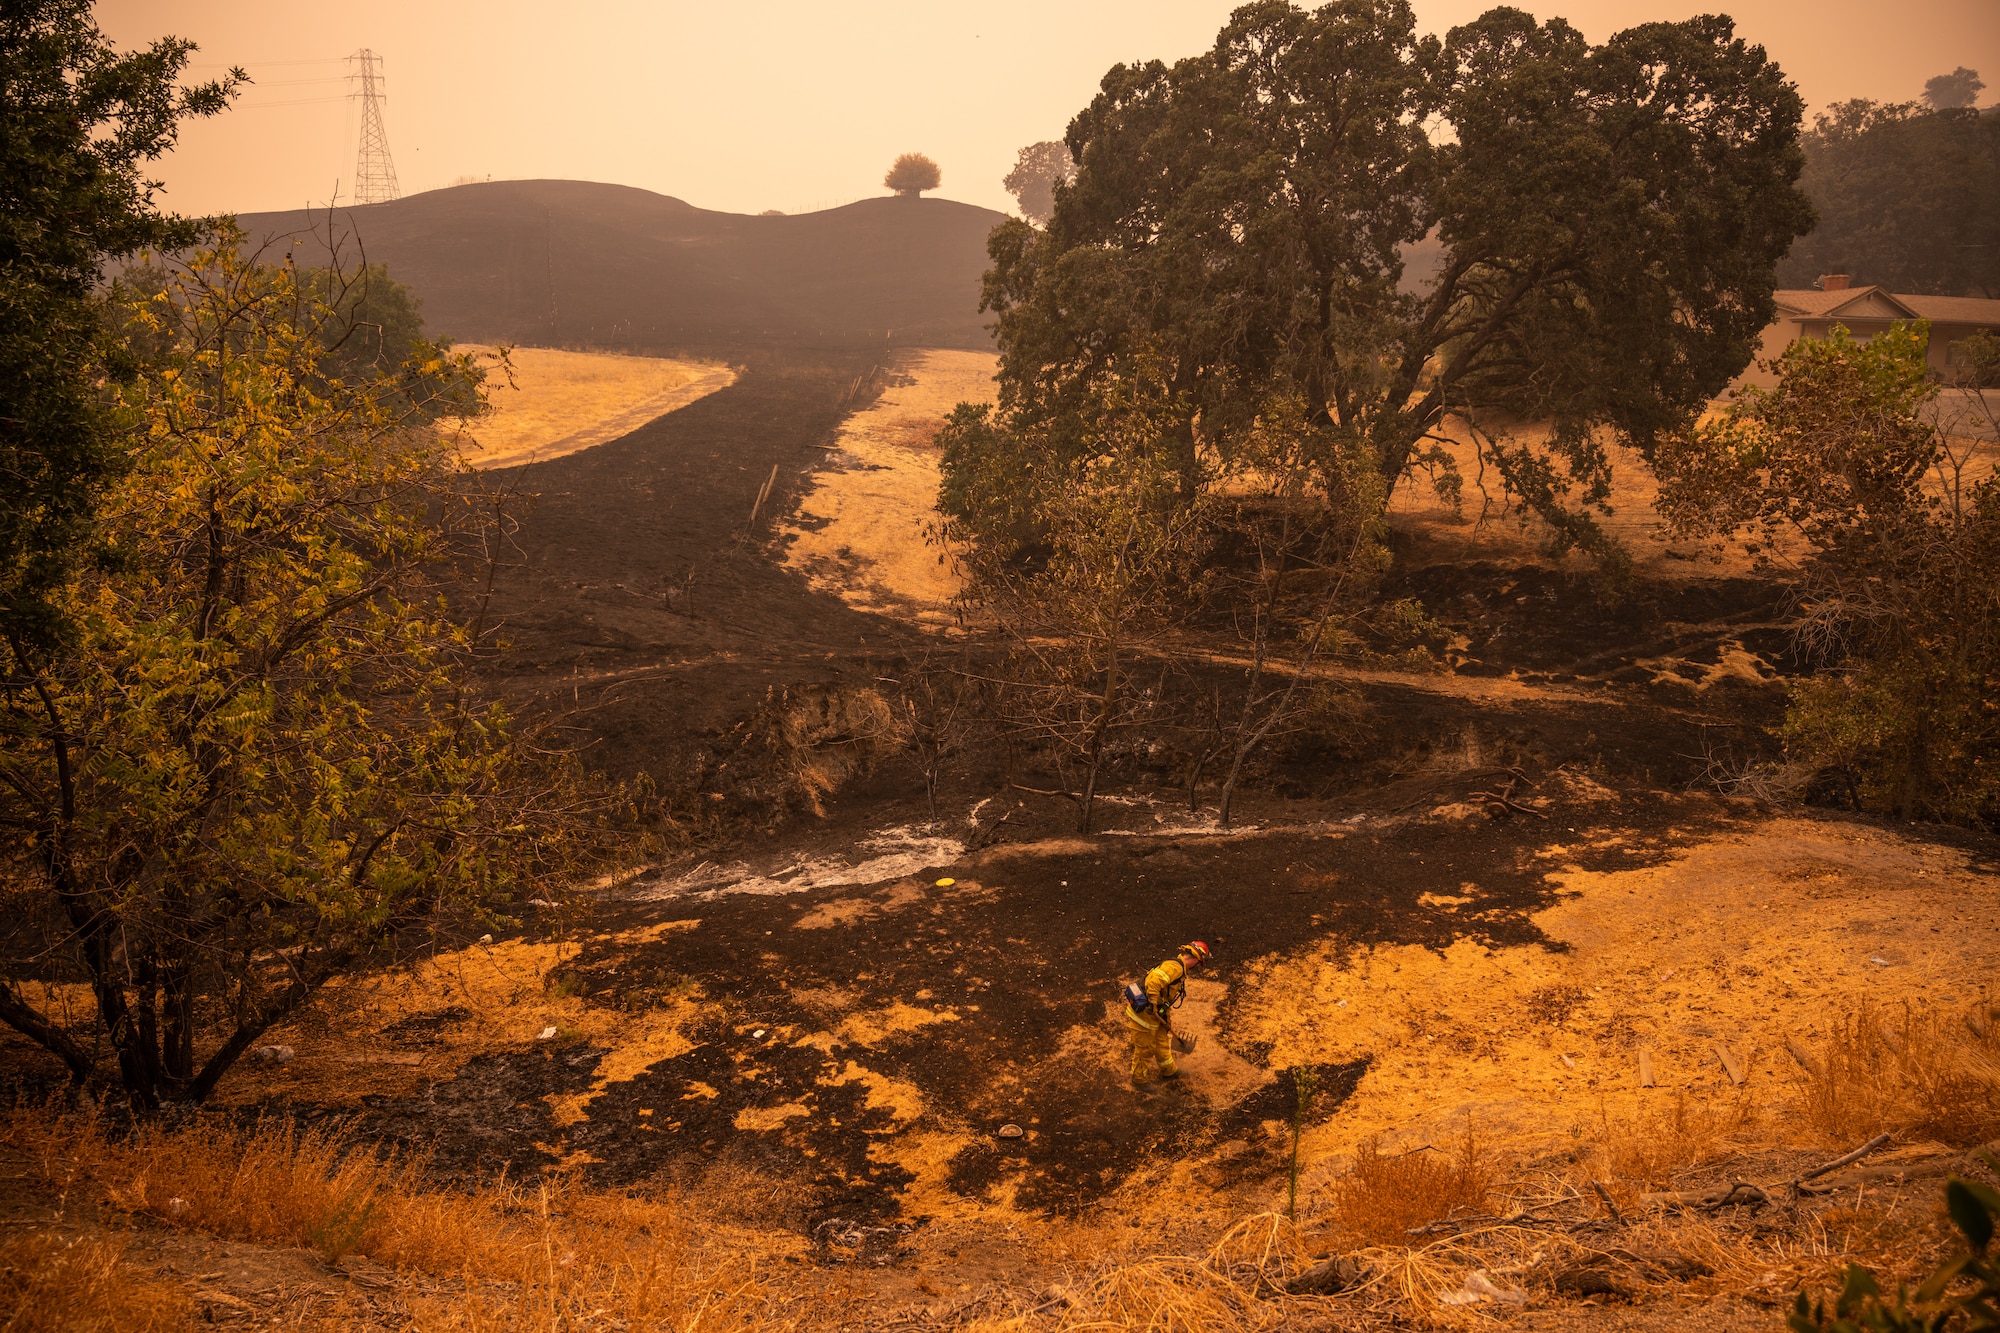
374,169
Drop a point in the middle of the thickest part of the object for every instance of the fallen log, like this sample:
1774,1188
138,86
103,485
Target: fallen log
1712,1199
1841,1161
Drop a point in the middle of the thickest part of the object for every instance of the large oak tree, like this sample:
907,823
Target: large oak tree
1609,218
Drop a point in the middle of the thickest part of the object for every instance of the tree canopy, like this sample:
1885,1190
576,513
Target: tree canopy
1609,217
255,759
1959,88
1847,472
912,174
1034,177
1908,198
82,121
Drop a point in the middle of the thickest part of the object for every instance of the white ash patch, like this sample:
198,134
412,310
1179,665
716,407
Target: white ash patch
899,851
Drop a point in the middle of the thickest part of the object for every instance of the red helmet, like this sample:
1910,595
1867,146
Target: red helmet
1196,951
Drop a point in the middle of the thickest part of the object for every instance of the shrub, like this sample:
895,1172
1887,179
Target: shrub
1382,1198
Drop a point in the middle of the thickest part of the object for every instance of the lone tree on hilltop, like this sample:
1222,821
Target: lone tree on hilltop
1959,88
912,174
1037,172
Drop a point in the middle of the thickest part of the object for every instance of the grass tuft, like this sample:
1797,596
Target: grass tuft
83,1285
1928,1073
1382,1198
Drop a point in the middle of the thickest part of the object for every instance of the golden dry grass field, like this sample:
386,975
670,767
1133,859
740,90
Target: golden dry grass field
860,532
547,403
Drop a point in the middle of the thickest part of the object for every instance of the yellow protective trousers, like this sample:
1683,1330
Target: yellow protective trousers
1152,1041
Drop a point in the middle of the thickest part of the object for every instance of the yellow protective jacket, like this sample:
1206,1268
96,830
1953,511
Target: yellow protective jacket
1166,987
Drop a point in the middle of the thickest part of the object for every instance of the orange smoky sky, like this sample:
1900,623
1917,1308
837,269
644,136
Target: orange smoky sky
747,106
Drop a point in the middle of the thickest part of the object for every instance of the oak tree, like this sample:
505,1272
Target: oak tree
1908,198
1034,177
1608,217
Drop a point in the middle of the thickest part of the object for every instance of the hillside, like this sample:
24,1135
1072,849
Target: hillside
574,263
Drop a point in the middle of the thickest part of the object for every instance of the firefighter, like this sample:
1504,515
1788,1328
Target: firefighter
1149,1013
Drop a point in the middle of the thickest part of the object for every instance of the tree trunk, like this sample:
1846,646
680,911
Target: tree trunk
177,1045
18,1014
304,986
1094,755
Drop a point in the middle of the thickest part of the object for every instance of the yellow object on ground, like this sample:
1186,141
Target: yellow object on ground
1152,1041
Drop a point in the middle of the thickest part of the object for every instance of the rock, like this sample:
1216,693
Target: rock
1336,1274
1479,1287
486,939
271,1055
1011,1131
547,1033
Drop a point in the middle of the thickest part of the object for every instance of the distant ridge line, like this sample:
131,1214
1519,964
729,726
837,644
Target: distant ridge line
552,262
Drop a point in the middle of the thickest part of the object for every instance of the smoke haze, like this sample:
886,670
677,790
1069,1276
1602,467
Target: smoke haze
798,106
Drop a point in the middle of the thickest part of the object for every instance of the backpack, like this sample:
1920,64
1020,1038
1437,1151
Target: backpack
1134,995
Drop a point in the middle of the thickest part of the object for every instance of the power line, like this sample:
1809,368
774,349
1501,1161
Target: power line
233,64
295,101
374,169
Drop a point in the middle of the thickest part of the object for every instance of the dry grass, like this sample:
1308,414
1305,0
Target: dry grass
49,1284
553,1255
1930,1073
516,1257
559,402
1659,1143
1382,1198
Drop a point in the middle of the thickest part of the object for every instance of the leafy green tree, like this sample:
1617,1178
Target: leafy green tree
1036,173
1609,218
1892,531
1088,608
256,760
1908,198
81,122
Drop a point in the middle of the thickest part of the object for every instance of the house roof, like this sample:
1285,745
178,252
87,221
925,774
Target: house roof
1849,302
1954,309
1874,303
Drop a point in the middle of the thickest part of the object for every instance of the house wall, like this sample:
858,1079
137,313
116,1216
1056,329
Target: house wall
1786,330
